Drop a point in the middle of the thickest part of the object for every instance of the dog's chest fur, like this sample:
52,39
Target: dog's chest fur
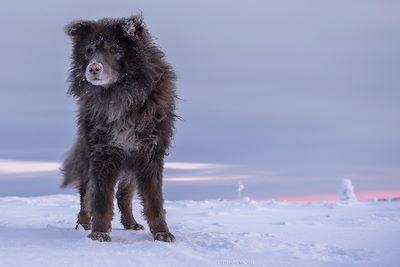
124,136
124,126
131,135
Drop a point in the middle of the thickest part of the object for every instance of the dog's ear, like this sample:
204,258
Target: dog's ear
133,27
76,27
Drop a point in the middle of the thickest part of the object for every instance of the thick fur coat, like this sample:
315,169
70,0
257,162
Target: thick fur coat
125,125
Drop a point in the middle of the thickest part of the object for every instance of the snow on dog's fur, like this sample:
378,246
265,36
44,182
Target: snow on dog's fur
125,90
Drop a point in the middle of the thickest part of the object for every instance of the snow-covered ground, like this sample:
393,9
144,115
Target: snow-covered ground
39,231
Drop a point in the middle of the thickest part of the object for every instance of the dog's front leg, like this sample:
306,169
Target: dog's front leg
104,168
150,186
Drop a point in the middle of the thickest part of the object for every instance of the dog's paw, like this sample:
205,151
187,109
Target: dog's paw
85,226
164,236
100,236
134,226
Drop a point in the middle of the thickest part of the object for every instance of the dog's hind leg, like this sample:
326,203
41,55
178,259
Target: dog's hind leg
126,189
76,172
84,217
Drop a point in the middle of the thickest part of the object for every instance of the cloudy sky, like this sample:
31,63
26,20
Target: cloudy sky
288,97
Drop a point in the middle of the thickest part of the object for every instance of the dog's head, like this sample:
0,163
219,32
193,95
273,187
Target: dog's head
108,51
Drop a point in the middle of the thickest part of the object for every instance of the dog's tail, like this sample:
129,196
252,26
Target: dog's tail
75,168
68,178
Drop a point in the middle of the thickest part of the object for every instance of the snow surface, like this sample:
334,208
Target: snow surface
39,231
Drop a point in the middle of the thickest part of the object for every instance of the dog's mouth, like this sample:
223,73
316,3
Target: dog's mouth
98,81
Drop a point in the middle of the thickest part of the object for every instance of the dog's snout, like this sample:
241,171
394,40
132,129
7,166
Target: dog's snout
98,74
95,68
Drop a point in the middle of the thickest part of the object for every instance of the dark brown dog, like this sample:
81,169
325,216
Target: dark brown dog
125,90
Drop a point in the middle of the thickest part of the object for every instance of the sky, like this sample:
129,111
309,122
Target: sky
287,97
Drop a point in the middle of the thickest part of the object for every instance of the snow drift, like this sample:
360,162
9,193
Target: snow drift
39,231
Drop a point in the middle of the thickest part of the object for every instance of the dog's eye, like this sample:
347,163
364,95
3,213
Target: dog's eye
89,51
113,50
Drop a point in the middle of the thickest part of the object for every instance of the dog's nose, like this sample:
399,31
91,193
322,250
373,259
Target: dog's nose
95,68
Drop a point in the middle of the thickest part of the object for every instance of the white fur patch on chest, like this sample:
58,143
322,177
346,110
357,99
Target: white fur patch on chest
124,136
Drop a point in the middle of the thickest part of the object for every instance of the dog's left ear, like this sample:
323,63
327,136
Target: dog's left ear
133,27
74,28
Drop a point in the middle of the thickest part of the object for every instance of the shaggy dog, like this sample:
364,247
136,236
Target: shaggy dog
126,95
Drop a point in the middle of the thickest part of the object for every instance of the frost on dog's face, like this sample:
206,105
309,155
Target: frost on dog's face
102,48
103,66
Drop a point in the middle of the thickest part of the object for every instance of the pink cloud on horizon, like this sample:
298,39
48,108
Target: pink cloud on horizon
332,197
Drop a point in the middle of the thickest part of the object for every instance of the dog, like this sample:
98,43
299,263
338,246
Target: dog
126,95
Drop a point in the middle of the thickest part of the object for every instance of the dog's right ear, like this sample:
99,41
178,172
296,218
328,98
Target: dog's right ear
76,27
133,27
